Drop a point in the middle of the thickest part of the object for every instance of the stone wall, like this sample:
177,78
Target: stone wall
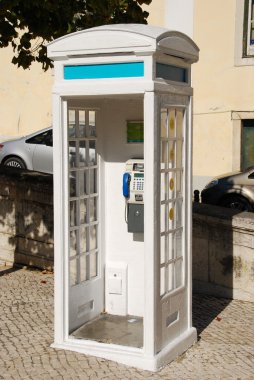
26,218
223,239
223,254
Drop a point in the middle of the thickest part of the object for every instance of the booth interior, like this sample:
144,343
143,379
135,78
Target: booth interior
106,218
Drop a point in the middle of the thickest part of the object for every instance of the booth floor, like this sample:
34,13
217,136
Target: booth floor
115,329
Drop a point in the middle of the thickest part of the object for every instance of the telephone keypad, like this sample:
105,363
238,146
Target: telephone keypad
138,184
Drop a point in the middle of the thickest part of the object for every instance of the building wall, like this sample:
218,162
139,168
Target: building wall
223,90
156,12
25,97
179,15
222,81
172,14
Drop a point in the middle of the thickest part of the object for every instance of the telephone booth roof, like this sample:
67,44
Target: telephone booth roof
138,39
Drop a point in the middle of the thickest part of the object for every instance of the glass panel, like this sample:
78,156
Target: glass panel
171,124
163,242
178,273
82,153
179,160
162,282
179,124
178,213
73,183
171,215
171,186
178,244
92,152
92,181
73,213
73,243
170,276
83,239
92,209
93,265
171,247
163,187
164,123
178,183
83,276
83,182
171,155
164,153
252,25
83,211
72,154
171,223
92,129
93,237
72,123
73,272
163,215
82,123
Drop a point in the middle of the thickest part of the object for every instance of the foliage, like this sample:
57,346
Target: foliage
27,25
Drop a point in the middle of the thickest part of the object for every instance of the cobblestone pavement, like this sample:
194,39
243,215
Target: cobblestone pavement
225,349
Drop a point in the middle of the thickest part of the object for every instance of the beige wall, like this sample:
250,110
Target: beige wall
156,12
25,97
220,87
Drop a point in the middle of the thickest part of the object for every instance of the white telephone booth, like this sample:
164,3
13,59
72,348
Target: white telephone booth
122,112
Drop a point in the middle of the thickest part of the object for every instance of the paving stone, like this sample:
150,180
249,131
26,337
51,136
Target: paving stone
225,349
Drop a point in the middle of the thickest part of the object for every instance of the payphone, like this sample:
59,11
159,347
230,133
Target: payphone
133,191
121,296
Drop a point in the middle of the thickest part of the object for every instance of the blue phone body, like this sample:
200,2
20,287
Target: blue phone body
126,185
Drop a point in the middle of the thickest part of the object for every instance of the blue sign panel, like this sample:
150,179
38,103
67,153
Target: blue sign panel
107,70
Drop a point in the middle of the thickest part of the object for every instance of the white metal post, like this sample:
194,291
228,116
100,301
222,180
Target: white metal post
150,225
58,220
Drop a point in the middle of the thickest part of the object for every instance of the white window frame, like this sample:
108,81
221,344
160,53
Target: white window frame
244,51
250,47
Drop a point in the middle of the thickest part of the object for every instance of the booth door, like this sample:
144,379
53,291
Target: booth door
85,276
173,291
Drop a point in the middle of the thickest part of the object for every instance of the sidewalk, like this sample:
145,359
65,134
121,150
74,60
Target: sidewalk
225,349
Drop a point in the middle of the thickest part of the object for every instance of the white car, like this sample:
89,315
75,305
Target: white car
35,152
32,152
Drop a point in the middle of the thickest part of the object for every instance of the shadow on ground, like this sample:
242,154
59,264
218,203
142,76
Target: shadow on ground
205,309
6,270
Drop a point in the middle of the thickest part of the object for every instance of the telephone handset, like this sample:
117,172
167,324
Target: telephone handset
133,191
126,185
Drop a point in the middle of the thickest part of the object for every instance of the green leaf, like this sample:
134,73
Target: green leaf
22,22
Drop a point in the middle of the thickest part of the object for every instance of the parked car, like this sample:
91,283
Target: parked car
234,190
35,152
32,152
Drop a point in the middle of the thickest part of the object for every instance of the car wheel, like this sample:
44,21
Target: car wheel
236,202
15,162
